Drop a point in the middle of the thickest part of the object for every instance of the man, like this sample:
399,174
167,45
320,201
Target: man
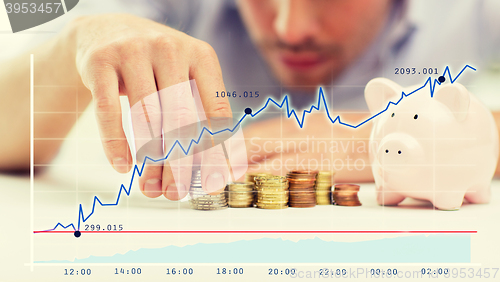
273,47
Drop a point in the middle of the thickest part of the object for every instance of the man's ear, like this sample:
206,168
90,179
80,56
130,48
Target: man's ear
456,97
379,91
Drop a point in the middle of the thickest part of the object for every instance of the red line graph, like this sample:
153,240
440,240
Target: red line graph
268,231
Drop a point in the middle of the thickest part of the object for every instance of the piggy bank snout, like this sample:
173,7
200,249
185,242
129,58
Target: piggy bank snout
398,148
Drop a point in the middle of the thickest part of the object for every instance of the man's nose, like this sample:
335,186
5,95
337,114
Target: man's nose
296,21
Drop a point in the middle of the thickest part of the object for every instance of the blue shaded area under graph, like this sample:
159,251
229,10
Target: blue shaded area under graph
321,100
436,248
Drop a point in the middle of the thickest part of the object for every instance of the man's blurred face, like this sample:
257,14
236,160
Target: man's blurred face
309,42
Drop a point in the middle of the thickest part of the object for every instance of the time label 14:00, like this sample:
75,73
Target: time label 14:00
229,94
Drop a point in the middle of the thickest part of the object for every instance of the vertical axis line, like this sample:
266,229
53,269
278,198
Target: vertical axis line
77,165
32,162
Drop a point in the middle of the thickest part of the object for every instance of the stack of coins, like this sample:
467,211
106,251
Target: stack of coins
200,200
272,192
240,194
346,195
301,186
324,182
250,177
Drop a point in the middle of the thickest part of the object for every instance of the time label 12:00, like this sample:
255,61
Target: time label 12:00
229,94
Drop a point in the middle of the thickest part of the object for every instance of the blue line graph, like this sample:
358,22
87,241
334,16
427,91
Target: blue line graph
321,100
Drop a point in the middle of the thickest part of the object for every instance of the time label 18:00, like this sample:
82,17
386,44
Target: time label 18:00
229,94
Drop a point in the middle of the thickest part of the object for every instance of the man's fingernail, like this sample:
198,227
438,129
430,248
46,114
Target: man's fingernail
174,191
215,182
120,165
152,187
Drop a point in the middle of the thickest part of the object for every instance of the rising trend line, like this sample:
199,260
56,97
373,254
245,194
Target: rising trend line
321,100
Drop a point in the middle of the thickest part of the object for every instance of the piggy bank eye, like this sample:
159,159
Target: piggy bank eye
392,115
415,116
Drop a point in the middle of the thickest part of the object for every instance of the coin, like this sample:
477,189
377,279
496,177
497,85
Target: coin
250,177
346,195
347,187
272,192
324,182
303,205
200,200
302,188
240,194
271,206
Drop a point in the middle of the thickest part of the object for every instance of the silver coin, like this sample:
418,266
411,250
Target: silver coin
200,207
206,202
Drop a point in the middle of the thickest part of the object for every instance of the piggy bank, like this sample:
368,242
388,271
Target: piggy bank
441,149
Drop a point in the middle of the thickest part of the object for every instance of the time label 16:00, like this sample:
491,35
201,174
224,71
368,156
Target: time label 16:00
229,94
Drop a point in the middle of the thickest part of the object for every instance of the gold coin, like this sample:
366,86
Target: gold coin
323,203
268,206
240,185
240,206
250,177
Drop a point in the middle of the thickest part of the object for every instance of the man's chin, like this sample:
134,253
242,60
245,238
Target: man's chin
300,82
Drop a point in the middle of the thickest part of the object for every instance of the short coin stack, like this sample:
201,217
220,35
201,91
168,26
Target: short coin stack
240,194
200,200
301,186
324,182
346,195
272,192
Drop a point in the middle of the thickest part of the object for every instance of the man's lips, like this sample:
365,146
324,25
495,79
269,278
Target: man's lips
301,62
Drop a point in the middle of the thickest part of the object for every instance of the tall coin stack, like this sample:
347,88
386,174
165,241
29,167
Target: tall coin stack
250,177
272,192
301,186
200,200
240,194
346,195
324,182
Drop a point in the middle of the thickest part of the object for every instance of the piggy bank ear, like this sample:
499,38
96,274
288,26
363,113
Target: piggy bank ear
456,98
379,91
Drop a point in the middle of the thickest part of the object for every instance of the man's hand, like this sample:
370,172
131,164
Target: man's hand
280,145
125,55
